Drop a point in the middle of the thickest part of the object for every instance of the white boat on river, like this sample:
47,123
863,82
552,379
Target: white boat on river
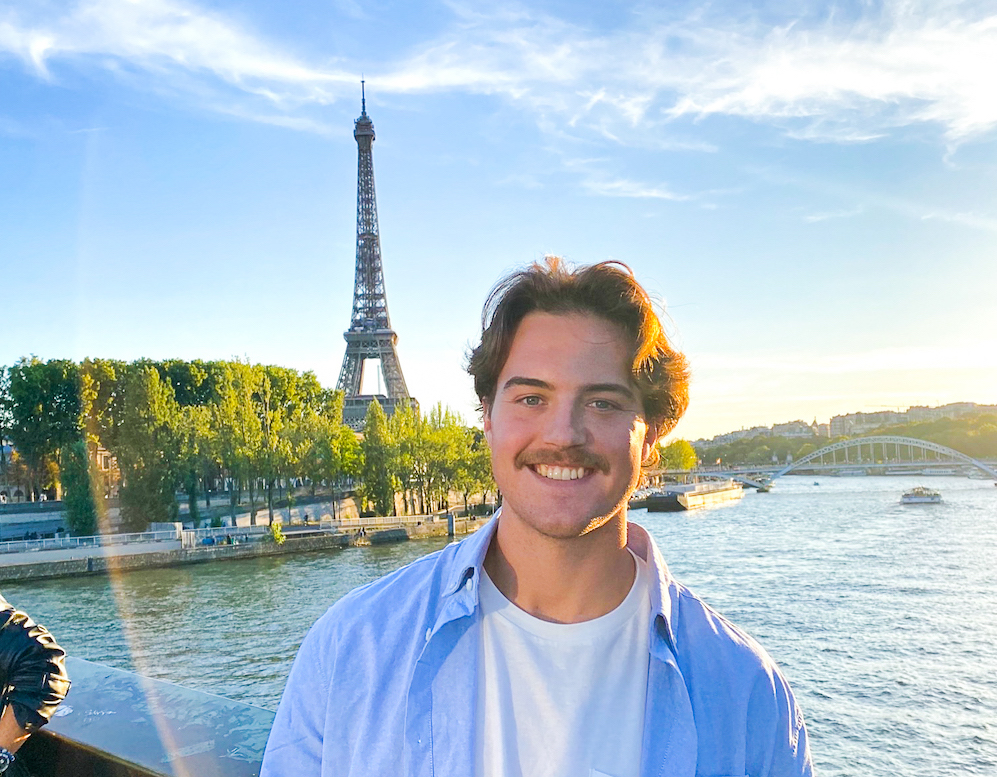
920,496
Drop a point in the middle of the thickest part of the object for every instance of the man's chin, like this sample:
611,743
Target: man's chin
565,527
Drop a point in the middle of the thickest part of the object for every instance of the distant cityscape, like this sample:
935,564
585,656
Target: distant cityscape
855,423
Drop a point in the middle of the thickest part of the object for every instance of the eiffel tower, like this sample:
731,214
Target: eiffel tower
370,335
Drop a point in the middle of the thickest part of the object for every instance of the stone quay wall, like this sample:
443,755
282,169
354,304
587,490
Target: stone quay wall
96,563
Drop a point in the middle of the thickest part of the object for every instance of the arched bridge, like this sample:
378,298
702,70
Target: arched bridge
893,455
887,445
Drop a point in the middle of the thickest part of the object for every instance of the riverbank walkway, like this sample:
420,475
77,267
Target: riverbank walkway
108,554
82,552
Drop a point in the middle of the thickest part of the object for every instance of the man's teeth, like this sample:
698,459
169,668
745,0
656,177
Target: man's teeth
560,473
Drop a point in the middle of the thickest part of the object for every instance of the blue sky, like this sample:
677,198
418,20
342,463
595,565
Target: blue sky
809,188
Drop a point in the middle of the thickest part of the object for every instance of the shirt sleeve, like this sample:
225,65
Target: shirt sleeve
294,748
32,668
777,744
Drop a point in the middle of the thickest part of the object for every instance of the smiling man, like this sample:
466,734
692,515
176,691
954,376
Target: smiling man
553,642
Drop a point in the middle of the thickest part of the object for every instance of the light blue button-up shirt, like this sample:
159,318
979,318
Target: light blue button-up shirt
384,683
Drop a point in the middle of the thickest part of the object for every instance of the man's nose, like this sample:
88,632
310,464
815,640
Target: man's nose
565,425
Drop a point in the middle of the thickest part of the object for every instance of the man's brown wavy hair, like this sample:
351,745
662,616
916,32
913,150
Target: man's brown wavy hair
608,290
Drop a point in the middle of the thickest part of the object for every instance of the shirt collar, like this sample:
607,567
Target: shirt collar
459,597
470,557
662,584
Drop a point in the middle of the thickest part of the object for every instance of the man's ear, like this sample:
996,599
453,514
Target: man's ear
650,440
486,420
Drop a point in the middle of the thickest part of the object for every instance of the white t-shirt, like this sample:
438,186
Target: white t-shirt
562,700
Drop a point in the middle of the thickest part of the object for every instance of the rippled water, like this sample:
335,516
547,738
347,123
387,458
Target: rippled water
882,615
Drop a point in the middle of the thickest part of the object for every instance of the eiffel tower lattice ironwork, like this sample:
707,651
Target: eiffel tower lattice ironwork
370,335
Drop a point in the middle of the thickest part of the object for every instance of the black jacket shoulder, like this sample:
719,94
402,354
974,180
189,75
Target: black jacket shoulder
32,668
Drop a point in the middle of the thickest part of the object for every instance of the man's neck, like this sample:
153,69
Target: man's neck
561,580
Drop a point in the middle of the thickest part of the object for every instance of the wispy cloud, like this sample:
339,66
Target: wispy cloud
288,121
923,63
594,178
975,220
829,78
868,200
619,187
839,80
170,43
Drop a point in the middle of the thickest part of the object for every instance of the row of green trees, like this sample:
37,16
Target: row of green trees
420,460
182,426
759,450
974,435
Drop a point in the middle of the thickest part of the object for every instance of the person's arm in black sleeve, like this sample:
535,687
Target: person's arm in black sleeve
32,669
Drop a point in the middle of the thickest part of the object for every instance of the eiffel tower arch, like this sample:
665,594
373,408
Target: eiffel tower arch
370,335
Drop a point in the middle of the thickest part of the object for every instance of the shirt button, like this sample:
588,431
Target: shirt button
429,633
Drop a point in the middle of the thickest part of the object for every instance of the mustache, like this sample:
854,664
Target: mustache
562,457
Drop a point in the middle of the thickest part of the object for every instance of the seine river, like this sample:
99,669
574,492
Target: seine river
884,617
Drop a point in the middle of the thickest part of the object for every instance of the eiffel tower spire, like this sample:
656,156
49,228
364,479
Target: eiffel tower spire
370,335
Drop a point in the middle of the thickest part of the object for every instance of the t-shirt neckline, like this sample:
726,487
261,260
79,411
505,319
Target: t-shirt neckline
492,600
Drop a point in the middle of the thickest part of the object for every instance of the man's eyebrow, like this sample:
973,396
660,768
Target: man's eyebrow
517,380
591,388
612,388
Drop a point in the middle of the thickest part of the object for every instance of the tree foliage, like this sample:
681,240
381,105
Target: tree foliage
378,450
82,492
43,414
975,436
678,454
235,427
177,427
149,449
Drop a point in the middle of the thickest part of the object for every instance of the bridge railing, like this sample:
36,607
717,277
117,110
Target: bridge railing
196,536
95,541
383,521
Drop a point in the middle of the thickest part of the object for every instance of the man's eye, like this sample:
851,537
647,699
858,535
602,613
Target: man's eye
602,404
531,401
